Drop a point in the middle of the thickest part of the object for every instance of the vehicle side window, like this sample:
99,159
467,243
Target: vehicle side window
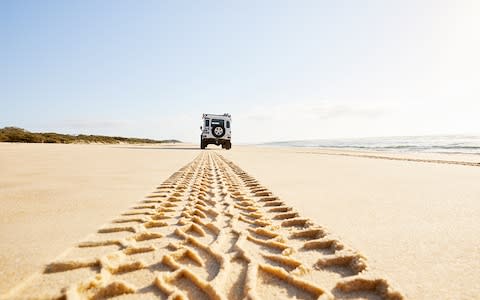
207,123
228,124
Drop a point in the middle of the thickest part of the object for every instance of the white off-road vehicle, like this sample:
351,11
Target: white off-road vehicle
216,129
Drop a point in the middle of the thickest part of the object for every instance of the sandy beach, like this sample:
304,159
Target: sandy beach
54,195
170,220
416,221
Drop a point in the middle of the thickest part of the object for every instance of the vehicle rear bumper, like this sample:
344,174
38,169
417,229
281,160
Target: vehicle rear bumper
215,141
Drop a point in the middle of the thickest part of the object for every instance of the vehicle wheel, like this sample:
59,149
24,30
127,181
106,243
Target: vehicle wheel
202,144
223,146
218,131
228,145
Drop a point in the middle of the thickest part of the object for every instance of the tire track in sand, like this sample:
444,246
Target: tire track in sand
210,231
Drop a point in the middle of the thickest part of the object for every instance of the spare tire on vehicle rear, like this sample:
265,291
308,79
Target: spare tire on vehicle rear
218,131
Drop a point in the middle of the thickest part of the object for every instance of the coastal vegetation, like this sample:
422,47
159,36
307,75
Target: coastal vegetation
19,135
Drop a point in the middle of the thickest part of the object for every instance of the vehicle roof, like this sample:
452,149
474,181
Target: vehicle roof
215,115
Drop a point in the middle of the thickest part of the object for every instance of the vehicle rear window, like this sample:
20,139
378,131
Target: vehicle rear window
207,122
217,122
228,124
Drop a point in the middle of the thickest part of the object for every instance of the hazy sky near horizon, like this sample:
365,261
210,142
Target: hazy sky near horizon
285,70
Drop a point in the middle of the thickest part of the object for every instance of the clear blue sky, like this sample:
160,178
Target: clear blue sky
283,69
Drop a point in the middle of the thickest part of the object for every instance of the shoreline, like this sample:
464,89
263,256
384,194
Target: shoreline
406,156
466,159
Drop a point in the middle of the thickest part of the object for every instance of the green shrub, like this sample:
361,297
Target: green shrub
19,135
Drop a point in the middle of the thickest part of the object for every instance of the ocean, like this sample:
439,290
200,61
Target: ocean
458,144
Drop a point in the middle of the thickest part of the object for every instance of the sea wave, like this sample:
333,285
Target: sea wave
435,144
